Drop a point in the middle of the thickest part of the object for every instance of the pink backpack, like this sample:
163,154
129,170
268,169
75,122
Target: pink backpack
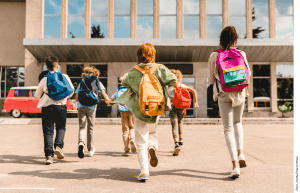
233,70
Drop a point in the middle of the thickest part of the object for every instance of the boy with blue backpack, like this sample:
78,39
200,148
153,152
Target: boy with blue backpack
127,120
57,88
88,93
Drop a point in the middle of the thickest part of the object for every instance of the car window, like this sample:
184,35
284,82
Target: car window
21,93
32,93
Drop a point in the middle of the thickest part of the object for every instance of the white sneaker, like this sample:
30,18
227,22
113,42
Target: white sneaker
242,161
91,153
235,173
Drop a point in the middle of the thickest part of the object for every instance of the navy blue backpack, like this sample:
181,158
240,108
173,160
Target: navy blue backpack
58,86
89,94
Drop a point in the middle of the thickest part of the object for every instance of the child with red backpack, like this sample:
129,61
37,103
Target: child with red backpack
181,100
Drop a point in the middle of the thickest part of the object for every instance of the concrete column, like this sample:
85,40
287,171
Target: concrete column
273,81
133,19
64,19
179,19
272,19
63,67
250,90
203,19
249,19
225,13
87,19
156,19
110,18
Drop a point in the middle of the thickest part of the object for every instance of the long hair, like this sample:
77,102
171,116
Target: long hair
146,53
228,37
90,71
178,75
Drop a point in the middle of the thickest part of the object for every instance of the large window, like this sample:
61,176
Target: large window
261,85
144,18
168,20
11,77
99,19
103,73
285,83
52,18
260,18
74,71
122,19
237,16
284,19
214,19
191,19
76,10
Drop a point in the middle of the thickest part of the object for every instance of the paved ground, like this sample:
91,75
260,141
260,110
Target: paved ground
203,165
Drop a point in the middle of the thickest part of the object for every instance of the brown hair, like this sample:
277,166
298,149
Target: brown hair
51,62
178,75
228,37
90,71
146,53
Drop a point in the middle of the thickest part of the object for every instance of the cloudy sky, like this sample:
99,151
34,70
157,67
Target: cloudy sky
191,27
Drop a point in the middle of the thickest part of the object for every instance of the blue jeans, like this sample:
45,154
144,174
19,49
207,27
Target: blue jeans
50,115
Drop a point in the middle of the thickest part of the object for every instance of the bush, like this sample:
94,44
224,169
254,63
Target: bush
285,108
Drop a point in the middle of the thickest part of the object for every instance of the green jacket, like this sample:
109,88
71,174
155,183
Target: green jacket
132,82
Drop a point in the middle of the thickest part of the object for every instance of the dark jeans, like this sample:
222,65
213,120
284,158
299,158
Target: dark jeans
50,115
176,116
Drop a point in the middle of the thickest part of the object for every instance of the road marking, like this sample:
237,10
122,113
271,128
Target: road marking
15,122
27,188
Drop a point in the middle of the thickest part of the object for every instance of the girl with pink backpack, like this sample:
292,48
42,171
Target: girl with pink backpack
230,74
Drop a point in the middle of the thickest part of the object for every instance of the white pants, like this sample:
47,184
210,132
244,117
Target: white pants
232,122
145,136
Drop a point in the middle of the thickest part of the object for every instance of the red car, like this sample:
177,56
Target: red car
21,100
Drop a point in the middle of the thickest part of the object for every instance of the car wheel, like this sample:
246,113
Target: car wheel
16,113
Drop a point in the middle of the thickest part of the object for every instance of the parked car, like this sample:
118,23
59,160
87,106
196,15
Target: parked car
21,100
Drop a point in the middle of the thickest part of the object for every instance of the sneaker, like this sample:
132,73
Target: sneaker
59,153
242,161
49,160
81,150
176,151
235,173
180,143
132,146
126,153
91,153
143,177
153,157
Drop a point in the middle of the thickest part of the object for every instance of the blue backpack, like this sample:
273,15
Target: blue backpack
120,91
58,86
89,94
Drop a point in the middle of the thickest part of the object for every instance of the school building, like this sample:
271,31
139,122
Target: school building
107,33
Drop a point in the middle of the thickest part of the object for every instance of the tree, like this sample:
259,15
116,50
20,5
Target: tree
96,32
255,32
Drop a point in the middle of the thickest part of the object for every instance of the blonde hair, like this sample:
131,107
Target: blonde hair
90,71
123,77
146,53
178,75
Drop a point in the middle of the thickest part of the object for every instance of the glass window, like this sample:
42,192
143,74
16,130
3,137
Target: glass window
76,10
103,73
168,20
191,19
260,18
74,72
261,85
285,83
214,19
145,27
237,7
21,93
122,7
52,19
284,19
33,93
184,68
11,77
99,19
167,7
191,7
237,16
52,7
145,7
214,7
122,27
99,7
76,7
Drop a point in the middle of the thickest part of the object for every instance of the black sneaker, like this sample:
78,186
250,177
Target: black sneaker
181,143
81,150
49,160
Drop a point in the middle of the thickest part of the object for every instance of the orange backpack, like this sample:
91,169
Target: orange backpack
151,96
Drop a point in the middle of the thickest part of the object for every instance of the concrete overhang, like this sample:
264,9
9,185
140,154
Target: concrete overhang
167,50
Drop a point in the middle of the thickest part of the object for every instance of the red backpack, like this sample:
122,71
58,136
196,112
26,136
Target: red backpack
182,99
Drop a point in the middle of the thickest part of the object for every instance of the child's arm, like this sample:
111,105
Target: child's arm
40,89
104,95
194,96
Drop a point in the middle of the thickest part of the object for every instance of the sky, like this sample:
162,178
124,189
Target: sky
191,26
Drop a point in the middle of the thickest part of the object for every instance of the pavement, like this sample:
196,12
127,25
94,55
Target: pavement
203,165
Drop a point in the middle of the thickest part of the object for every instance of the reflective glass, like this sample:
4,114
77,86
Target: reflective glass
21,93
2,71
285,70
191,7
145,27
214,7
21,77
284,7
191,27
240,25
122,6
11,78
75,27
237,7
2,90
76,6
261,87
145,7
74,70
285,27
285,90
261,70
168,27
99,7
214,26
261,7
188,80
263,23
102,69
52,27
52,6
167,6
122,27
102,22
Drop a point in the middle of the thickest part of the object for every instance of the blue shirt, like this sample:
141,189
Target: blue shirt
93,107
118,93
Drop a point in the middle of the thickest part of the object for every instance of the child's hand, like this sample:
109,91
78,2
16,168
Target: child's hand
107,102
196,105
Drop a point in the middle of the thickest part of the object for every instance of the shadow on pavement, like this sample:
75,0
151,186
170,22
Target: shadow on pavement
33,160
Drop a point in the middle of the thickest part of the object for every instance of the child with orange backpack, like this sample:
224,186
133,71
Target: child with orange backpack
181,100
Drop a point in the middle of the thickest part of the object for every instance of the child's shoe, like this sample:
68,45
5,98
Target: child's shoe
49,160
176,151
91,153
126,153
59,153
181,143
242,161
153,156
132,146
235,173
143,177
81,150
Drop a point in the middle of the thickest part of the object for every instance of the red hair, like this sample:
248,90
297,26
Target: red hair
146,53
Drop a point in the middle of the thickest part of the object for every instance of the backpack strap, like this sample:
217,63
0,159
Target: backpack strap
138,68
152,70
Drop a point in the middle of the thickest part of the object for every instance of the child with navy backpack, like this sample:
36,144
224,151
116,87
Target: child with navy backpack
127,120
88,93
57,88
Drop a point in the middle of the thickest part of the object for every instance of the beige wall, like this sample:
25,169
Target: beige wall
12,32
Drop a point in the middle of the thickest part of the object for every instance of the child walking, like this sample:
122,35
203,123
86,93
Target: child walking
145,126
177,114
53,106
87,95
127,120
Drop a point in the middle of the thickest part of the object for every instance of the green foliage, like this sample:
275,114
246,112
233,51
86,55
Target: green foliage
96,32
285,108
